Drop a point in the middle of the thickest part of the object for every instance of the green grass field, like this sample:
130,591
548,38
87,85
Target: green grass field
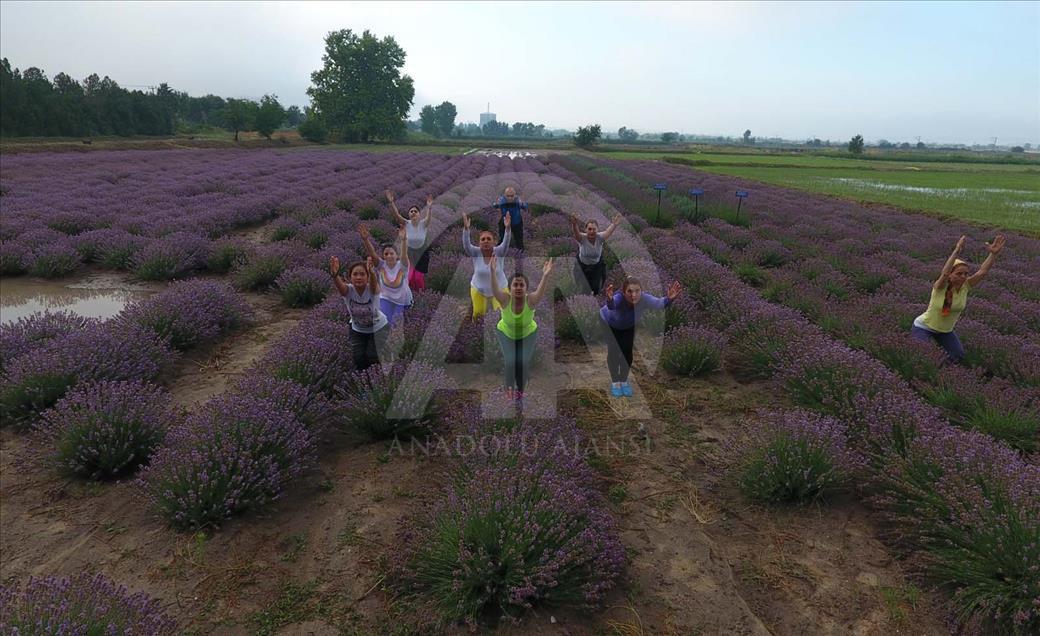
993,194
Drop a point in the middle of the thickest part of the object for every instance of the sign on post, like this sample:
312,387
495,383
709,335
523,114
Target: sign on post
741,195
697,193
660,187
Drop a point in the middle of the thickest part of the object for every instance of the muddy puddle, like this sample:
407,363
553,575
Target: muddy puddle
97,296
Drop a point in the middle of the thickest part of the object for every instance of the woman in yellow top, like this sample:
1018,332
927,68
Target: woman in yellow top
949,296
517,330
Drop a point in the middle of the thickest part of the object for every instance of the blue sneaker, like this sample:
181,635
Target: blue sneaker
615,391
626,389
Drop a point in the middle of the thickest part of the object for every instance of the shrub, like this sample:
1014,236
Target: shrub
35,381
31,332
762,341
579,319
101,246
236,454
751,274
82,604
690,351
380,405
284,228
189,313
266,265
171,256
442,270
303,286
511,532
14,258
54,260
797,456
974,506
911,359
224,254
312,409
106,429
316,354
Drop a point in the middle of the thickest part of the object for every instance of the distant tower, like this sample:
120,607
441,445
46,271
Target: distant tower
487,117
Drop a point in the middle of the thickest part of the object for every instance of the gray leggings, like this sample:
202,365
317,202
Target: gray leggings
516,358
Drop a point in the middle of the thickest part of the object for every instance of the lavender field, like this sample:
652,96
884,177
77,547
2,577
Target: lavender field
792,462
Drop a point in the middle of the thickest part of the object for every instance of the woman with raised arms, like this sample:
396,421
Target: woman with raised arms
517,330
484,283
950,296
590,251
620,316
416,227
395,295
368,324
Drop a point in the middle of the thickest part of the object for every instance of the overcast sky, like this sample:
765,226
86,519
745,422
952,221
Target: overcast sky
945,72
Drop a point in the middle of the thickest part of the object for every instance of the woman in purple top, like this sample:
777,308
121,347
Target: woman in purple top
620,316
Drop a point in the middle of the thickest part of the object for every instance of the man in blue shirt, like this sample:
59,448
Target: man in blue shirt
511,204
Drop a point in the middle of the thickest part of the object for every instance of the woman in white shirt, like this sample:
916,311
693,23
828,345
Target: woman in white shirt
590,252
395,295
481,291
416,227
368,325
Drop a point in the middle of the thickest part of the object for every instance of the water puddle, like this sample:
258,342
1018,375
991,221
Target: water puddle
878,185
511,154
103,296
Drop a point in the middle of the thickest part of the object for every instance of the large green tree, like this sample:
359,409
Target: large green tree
587,136
428,120
269,116
360,91
856,145
445,116
239,115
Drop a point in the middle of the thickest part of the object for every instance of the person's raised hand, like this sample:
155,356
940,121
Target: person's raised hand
371,264
960,243
493,263
610,290
465,220
363,230
401,232
507,220
674,290
334,265
429,199
548,267
617,219
390,196
997,245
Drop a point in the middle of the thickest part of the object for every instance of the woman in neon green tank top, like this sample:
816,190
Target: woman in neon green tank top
517,330
949,297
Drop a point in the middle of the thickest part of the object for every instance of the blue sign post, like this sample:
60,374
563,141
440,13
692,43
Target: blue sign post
660,187
697,193
741,195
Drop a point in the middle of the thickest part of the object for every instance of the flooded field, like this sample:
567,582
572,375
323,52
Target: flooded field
101,295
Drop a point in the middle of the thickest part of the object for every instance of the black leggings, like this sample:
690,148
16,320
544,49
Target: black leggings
420,258
366,347
594,274
619,351
517,231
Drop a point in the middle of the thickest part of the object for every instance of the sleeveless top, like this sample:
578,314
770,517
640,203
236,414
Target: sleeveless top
933,318
365,316
393,283
517,326
589,253
416,235
481,279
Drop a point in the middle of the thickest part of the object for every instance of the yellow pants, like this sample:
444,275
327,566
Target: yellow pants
480,302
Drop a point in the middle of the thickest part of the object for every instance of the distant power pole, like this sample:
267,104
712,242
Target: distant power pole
994,142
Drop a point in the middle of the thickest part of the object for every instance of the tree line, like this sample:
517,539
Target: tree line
37,106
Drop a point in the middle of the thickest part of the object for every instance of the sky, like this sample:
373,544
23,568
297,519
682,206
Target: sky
947,72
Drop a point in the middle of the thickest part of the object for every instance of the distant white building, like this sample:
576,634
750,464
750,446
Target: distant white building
487,117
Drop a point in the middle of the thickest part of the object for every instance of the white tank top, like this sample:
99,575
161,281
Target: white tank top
416,234
365,316
590,253
393,283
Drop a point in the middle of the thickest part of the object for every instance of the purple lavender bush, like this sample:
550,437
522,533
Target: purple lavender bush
82,604
376,404
579,319
105,429
171,256
237,454
316,354
515,529
303,286
263,267
29,333
974,507
54,260
690,351
797,456
226,253
314,410
14,258
189,313
35,381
